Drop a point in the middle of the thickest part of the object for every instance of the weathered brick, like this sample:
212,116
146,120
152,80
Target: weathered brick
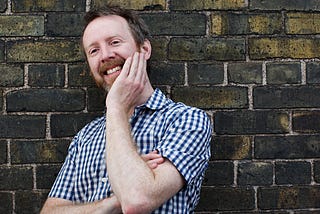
16,177
306,121
297,197
2,47
284,5
286,97
1,100
231,148
11,75
22,25
313,72
48,6
205,73
41,100
302,23
3,7
22,126
159,49
3,151
207,4
29,202
44,51
245,73
284,73
136,4
295,172
280,47
224,199
43,75
79,75
219,173
46,175
57,22
227,23
212,97
161,73
39,151
221,49
176,24
252,122
71,125
255,173
6,201
317,171
96,99
287,147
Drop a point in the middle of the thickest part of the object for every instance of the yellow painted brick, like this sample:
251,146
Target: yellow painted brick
263,24
261,48
303,23
224,4
217,24
134,4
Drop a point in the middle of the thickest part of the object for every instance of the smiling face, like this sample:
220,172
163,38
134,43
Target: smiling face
108,42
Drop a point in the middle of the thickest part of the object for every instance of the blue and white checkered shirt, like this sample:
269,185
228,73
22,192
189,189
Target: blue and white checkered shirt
180,133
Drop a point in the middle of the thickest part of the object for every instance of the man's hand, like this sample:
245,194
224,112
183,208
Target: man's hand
153,159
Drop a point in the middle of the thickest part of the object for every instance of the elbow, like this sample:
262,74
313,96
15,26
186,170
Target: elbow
137,205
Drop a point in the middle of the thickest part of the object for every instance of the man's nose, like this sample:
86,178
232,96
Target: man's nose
107,54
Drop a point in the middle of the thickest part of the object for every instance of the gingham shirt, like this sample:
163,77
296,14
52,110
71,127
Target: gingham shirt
180,133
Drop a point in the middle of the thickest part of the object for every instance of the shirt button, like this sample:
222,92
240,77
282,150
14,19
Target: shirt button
104,180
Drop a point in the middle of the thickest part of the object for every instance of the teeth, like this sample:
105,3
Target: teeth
112,70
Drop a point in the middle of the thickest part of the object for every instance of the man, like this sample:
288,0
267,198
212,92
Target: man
147,154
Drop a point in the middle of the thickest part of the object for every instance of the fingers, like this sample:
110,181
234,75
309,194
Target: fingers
153,159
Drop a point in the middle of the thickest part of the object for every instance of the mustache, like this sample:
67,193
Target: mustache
111,64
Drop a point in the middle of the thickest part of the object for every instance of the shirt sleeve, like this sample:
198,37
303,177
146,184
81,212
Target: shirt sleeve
186,143
63,186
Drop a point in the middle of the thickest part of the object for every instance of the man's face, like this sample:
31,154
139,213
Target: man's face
108,42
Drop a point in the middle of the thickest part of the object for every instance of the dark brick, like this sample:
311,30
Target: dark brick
46,175
296,172
3,7
43,75
41,100
219,173
284,5
306,121
245,73
16,177
39,151
2,48
96,99
223,199
284,73
1,100
136,5
313,72
297,197
317,171
287,147
255,173
166,73
176,24
71,124
3,151
21,25
205,73
79,75
159,48
231,148
252,122
44,51
286,97
22,126
212,97
6,201
220,49
48,6
29,201
11,75
56,22
207,5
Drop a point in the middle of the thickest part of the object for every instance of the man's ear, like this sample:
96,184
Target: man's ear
146,49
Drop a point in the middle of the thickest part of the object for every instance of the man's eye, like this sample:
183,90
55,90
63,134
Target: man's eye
92,51
115,42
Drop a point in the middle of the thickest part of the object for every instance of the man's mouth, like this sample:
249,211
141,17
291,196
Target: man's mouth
112,70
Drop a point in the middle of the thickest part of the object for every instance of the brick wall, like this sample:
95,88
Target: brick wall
253,65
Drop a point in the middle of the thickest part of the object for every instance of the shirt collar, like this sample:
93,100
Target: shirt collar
156,101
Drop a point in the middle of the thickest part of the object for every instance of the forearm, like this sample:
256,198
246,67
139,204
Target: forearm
59,206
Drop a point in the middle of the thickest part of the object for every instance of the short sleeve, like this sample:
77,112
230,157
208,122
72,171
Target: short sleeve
186,143
63,186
